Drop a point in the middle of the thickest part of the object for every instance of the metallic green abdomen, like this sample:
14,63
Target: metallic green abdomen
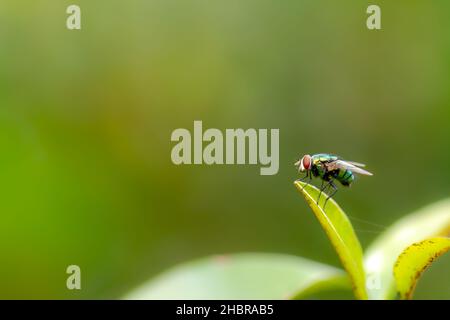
345,177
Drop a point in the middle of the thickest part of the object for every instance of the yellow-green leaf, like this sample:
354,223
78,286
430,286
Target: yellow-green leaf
242,276
431,221
340,232
414,260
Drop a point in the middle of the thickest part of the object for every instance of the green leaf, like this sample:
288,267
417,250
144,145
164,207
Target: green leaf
241,276
414,260
431,221
340,231
338,282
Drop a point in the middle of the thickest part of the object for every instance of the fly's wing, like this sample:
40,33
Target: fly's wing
357,164
347,165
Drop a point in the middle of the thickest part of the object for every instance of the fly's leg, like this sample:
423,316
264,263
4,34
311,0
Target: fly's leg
322,189
304,178
310,179
335,189
308,175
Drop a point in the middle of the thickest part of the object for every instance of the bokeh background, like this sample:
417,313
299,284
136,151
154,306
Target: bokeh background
86,117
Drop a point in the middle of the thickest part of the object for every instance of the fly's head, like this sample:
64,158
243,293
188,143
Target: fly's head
304,164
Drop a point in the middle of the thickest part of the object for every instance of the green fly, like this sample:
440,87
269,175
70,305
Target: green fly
329,168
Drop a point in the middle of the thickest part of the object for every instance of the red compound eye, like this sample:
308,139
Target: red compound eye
306,161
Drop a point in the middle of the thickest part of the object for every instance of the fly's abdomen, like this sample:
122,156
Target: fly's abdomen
345,177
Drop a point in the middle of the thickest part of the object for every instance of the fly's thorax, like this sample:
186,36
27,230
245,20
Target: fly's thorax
318,164
323,157
318,170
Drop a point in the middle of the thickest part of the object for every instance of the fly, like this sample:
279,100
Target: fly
329,168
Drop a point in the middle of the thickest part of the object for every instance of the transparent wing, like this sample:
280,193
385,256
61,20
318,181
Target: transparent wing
356,163
341,164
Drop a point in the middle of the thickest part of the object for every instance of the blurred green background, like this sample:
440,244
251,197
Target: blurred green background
86,118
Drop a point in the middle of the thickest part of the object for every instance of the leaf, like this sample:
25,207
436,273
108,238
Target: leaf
340,231
240,276
327,284
414,261
431,221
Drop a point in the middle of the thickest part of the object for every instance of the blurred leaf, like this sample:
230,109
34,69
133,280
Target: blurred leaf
414,261
326,285
340,231
431,221
240,276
